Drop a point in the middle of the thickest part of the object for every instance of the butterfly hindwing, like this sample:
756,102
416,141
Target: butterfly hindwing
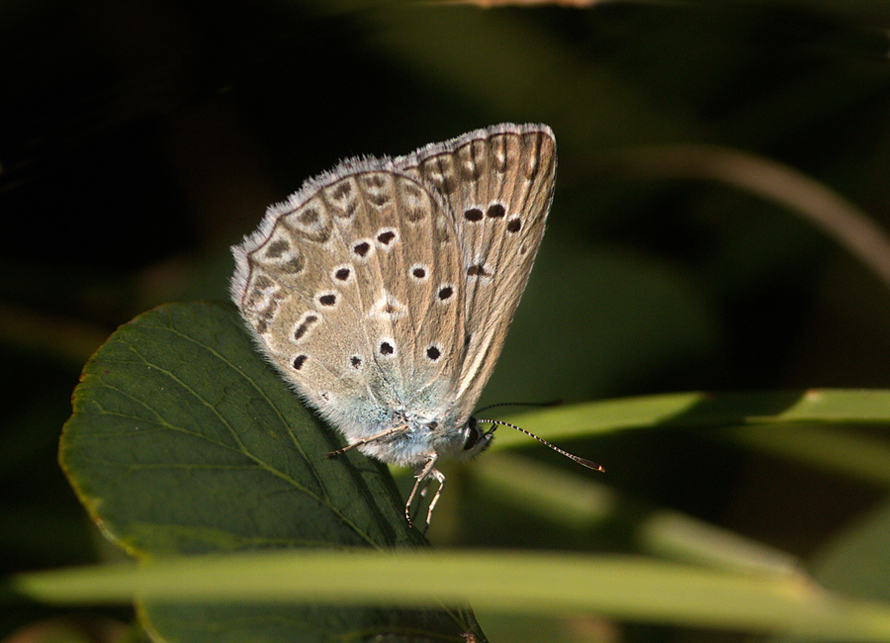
348,286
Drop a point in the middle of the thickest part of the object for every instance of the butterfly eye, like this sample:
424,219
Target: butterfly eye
473,434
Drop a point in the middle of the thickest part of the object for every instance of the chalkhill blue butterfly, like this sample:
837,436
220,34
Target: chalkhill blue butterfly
383,289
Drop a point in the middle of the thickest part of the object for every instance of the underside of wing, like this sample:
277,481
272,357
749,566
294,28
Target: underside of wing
498,184
350,287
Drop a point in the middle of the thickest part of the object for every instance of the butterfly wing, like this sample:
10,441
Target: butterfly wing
498,184
349,288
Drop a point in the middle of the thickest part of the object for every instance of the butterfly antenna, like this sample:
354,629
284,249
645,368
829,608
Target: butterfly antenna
538,404
582,461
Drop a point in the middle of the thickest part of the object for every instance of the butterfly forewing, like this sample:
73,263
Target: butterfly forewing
498,184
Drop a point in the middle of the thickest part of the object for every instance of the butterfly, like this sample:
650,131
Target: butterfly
383,289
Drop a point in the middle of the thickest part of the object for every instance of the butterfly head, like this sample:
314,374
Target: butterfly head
471,440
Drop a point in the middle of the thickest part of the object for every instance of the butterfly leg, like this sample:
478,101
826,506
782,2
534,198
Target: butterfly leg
423,480
435,473
380,436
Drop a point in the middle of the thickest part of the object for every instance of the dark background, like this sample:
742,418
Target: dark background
138,140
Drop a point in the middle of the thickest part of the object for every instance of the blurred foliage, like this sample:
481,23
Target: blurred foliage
140,139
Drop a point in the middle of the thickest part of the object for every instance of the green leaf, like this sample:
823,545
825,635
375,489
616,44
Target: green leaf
183,441
625,587
857,560
809,420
